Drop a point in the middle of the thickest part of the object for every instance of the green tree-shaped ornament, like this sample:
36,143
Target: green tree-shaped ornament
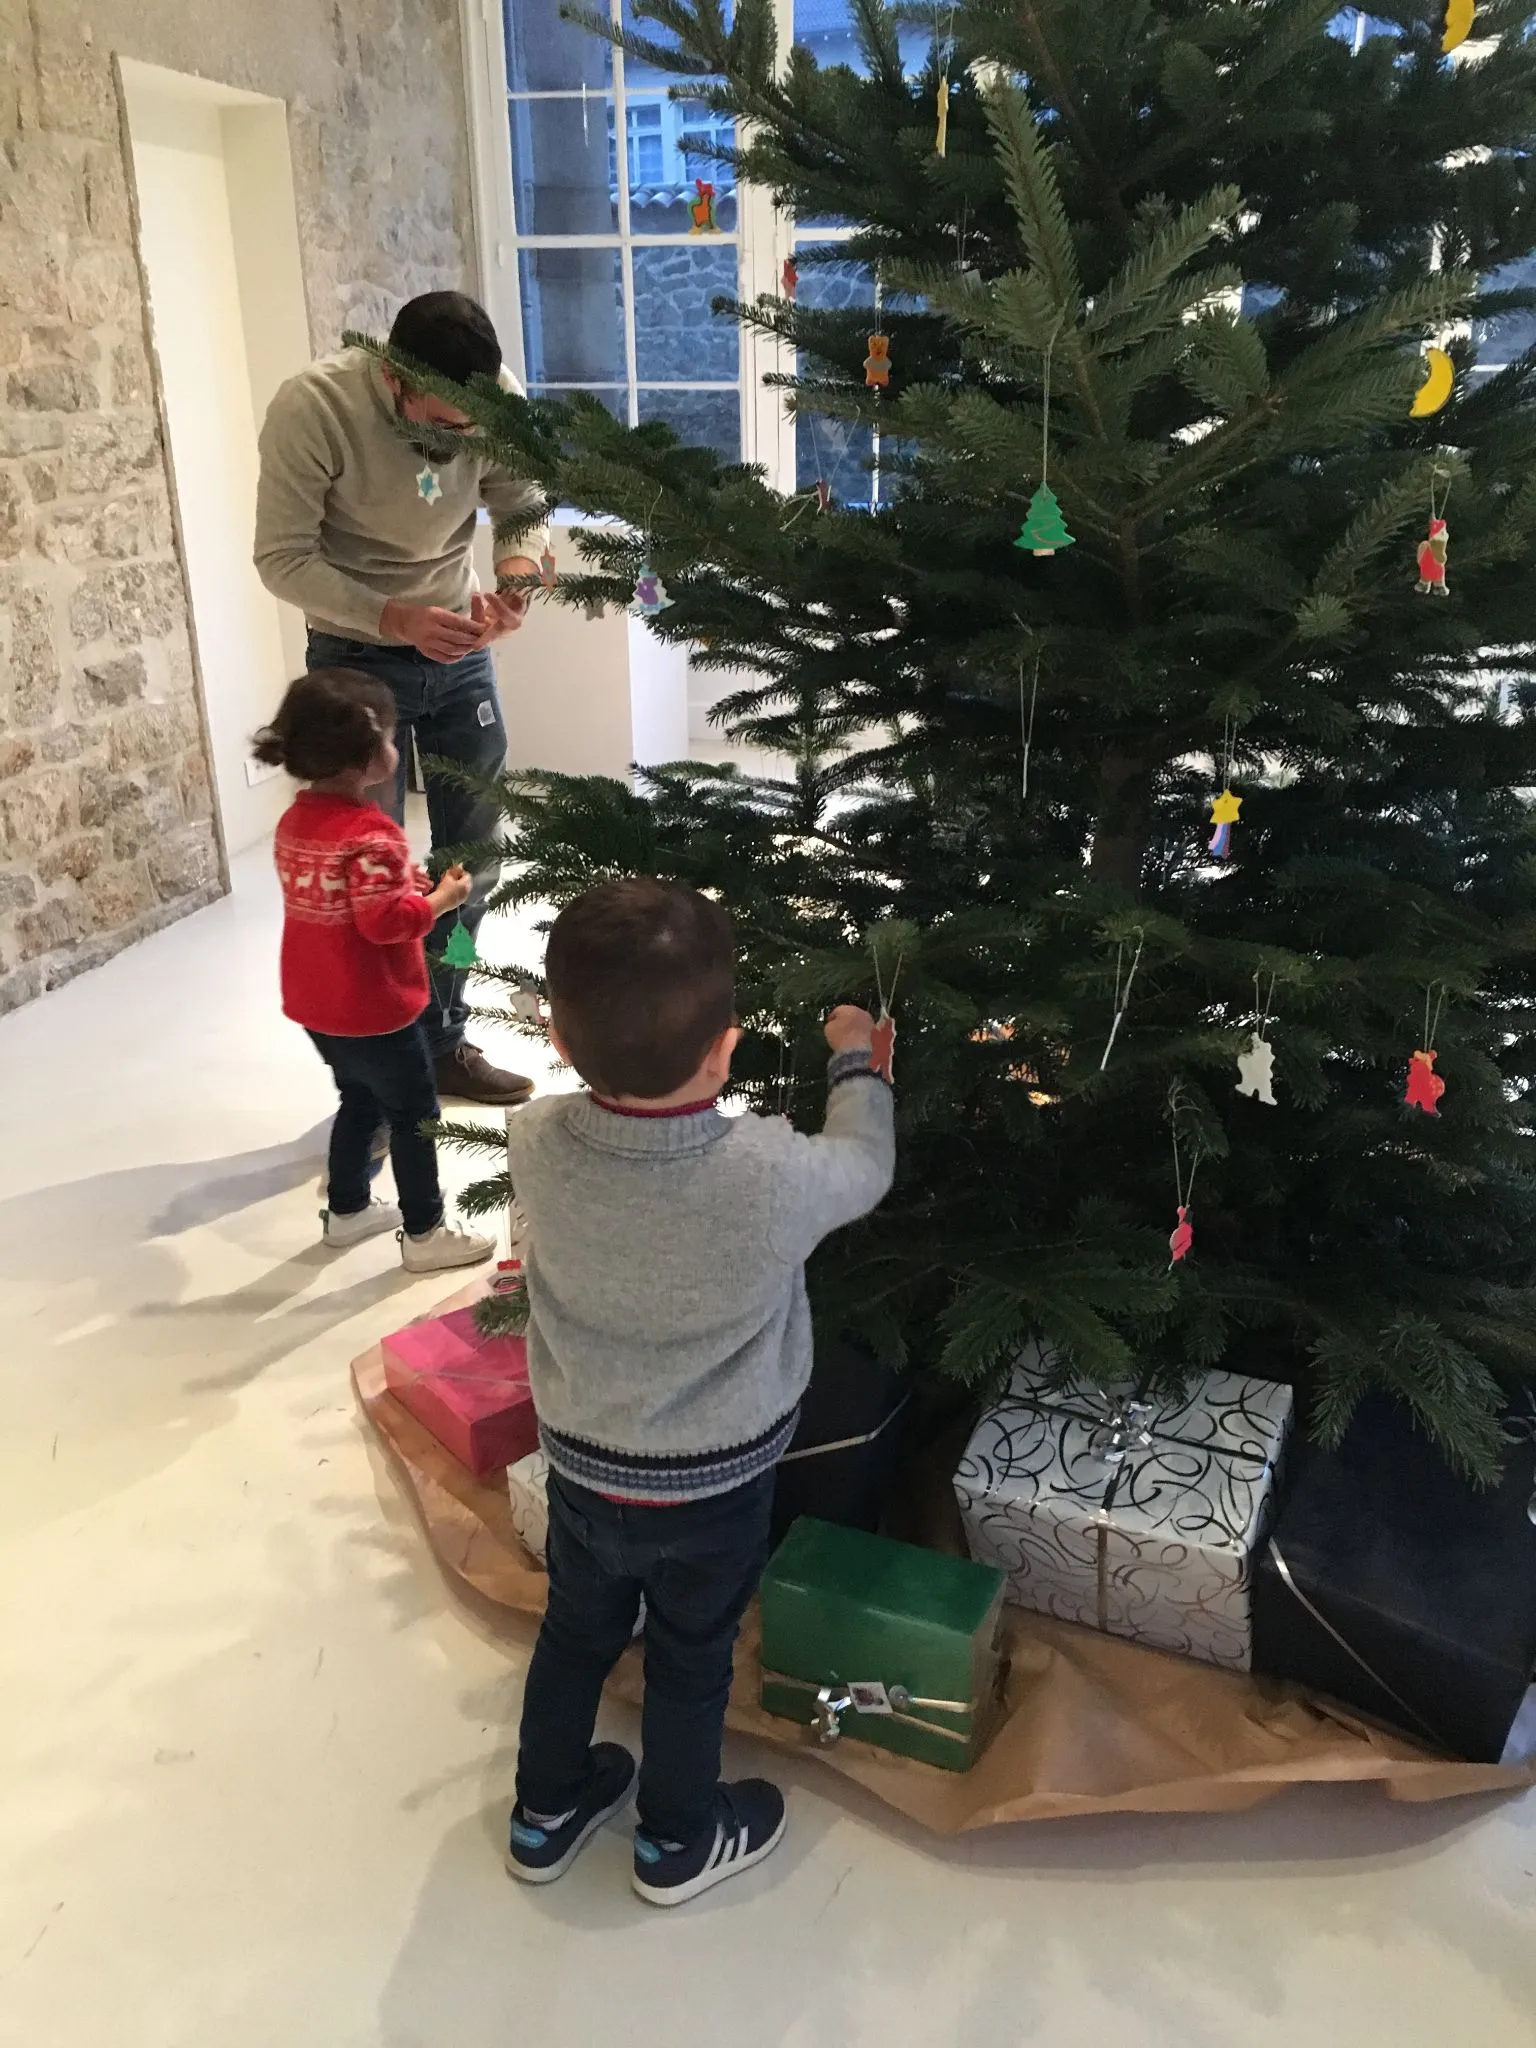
460,949
1044,529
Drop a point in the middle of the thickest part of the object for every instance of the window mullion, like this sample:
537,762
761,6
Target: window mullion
626,244
768,427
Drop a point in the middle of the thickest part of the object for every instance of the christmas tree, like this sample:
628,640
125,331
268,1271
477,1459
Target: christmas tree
1212,243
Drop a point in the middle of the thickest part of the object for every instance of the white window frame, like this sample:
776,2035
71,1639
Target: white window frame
763,238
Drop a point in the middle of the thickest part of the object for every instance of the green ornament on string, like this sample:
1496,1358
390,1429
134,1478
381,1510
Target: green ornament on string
1044,529
460,949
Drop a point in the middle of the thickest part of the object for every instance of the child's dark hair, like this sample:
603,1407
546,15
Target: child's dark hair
329,721
641,978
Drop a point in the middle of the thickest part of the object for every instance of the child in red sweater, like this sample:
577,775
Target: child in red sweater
354,971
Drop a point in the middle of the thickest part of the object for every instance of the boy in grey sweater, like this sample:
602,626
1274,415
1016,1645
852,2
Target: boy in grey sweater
669,1346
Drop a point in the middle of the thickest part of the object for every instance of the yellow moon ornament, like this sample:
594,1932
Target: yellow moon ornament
1436,388
1459,16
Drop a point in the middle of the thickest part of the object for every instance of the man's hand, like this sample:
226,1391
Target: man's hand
497,612
452,890
850,1029
439,635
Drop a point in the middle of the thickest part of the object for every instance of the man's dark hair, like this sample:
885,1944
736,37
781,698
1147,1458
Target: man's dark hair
641,978
329,720
449,333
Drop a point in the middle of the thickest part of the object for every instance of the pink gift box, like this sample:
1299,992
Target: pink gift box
470,1391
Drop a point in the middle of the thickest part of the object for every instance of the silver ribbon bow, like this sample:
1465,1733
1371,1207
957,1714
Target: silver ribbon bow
1124,1425
833,1701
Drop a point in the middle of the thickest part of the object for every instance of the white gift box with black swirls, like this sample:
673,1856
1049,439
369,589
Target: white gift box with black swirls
1138,1516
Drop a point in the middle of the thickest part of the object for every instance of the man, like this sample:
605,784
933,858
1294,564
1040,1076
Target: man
365,519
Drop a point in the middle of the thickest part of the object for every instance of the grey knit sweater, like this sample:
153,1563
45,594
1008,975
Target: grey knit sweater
669,1336
350,515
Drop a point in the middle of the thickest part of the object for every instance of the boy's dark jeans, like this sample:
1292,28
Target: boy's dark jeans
698,1565
454,712
384,1080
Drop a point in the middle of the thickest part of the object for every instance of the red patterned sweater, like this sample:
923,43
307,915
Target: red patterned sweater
355,915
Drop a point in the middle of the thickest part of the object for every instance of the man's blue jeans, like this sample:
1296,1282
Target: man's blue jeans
454,712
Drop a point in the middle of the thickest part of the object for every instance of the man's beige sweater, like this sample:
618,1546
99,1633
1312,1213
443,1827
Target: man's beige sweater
350,515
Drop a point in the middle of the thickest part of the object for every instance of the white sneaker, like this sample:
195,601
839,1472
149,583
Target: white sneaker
443,1248
373,1221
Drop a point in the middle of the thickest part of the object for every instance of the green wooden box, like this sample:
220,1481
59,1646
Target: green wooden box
883,1641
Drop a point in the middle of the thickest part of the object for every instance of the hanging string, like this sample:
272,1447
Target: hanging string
1228,750
1122,996
586,133
1045,413
1182,1188
886,1000
1181,1242
1432,1026
1027,725
1263,1011
1437,511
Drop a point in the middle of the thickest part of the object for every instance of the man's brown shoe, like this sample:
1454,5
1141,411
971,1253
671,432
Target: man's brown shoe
466,1075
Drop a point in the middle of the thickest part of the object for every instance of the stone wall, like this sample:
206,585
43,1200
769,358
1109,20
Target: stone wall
107,826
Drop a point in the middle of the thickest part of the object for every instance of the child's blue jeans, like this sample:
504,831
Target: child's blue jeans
697,1565
384,1080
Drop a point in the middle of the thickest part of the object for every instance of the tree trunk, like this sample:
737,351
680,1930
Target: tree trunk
1120,832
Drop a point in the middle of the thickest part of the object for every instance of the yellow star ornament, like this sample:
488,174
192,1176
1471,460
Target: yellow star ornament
1224,810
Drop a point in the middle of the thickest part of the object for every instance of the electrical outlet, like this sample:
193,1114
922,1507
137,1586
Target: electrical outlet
259,771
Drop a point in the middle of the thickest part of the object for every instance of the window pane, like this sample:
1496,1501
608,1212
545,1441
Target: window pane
546,54
836,452
705,419
613,396
834,287
637,74
573,332
676,334
825,28
562,167
1507,335
662,201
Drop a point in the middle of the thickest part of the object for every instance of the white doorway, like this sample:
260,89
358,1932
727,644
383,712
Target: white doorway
218,241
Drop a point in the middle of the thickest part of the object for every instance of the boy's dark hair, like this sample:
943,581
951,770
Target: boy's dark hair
329,720
641,978
447,332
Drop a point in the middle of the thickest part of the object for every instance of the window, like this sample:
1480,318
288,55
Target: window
619,254
645,140
602,263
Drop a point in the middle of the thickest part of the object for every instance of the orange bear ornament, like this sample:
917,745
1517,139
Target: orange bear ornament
877,364
1425,1086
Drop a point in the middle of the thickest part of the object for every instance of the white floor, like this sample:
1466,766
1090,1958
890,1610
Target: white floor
256,1759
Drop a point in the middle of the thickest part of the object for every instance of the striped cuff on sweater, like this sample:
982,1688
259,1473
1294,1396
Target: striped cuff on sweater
661,1480
845,1066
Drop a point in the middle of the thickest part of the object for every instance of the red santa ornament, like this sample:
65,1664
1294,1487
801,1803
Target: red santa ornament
1432,553
1182,1241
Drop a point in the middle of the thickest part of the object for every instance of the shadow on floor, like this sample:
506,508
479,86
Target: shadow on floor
126,1364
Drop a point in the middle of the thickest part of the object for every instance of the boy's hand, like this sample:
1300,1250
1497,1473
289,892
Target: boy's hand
850,1029
452,890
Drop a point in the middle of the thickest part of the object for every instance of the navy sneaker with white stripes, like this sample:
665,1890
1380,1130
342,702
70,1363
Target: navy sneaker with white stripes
748,1825
543,1846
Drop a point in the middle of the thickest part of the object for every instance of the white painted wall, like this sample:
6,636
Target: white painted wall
587,696
219,244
